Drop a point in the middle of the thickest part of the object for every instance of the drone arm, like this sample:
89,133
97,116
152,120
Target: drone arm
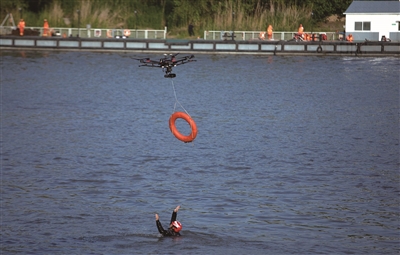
152,65
181,62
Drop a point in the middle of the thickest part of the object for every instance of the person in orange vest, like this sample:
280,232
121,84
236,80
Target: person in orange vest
21,26
349,38
301,30
46,28
269,32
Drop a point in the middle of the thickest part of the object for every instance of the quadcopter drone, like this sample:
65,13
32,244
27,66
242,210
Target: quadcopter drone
167,63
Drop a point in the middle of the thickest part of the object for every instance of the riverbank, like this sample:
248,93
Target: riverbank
281,47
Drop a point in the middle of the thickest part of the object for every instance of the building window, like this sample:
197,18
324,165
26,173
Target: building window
367,26
358,26
362,26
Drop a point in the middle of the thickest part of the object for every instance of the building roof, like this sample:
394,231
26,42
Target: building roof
358,7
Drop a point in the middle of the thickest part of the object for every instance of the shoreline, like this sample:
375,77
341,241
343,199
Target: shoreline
252,47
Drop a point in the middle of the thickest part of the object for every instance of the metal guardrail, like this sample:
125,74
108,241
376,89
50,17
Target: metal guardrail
96,32
160,34
254,35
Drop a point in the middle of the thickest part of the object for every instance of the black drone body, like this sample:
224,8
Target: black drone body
167,63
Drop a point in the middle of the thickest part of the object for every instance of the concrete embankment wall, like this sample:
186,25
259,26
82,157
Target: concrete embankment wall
366,48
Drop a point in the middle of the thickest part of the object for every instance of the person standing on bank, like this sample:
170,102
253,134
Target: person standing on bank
269,32
301,30
21,27
46,28
174,226
190,30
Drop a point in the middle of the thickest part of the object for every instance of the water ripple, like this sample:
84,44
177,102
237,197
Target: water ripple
296,155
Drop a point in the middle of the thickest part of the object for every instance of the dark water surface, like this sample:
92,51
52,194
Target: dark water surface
294,155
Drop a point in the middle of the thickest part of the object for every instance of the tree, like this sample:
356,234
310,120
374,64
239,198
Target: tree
9,6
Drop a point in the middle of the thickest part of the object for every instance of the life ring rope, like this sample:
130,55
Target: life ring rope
183,115
176,99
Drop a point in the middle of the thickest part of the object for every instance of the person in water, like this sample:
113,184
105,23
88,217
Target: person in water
174,226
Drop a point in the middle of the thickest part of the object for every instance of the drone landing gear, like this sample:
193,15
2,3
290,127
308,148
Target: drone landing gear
170,75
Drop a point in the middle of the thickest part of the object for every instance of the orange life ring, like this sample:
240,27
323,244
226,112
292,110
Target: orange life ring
176,133
127,32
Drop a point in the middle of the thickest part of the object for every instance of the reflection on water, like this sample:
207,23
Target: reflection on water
294,155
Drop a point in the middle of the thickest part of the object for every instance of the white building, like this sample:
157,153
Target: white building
373,19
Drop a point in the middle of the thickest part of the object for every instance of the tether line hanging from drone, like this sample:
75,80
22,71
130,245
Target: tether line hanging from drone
182,115
166,64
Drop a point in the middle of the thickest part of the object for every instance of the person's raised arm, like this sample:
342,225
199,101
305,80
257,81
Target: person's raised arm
159,226
174,213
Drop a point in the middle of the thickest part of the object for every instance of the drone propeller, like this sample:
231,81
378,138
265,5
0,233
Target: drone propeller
188,57
172,55
167,63
143,60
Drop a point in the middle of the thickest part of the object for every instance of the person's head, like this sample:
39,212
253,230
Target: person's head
176,226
